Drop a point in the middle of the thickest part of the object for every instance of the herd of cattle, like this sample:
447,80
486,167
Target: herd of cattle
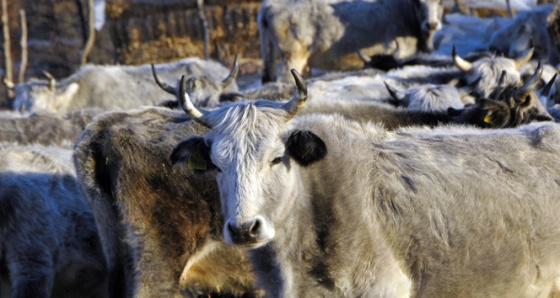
420,174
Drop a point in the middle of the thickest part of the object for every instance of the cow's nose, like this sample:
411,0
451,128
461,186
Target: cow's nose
433,26
246,232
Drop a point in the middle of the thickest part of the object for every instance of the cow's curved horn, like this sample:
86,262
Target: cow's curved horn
548,86
397,50
232,74
52,80
502,78
461,63
295,105
161,84
362,56
525,58
500,87
9,84
394,94
190,109
532,82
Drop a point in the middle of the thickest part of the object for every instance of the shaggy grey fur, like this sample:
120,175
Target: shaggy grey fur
43,128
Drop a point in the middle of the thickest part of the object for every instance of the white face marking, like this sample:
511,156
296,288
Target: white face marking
244,143
433,13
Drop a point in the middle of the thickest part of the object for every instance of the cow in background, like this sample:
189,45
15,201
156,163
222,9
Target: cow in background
428,97
324,34
483,73
49,245
111,87
525,31
43,128
206,91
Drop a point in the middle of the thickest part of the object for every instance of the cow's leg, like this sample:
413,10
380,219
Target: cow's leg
4,287
268,53
31,272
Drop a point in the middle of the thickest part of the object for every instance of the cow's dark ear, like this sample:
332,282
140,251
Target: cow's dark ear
233,97
194,152
496,114
170,104
306,147
453,112
543,117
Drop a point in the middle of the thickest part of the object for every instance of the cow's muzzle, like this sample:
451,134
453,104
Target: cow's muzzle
431,27
249,232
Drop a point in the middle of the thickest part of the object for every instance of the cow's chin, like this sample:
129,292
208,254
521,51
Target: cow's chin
249,244
255,244
429,41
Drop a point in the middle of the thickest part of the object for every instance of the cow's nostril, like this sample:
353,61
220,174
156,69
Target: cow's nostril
254,230
231,230
432,25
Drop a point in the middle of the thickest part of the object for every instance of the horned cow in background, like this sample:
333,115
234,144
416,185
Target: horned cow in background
111,87
428,97
206,91
483,73
326,34
49,245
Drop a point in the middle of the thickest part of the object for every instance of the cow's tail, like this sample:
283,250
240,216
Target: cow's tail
268,50
95,181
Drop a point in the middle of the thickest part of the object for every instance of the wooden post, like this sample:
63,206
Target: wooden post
509,10
91,37
202,16
23,44
9,75
460,7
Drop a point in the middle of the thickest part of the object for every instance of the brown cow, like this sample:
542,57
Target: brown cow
154,219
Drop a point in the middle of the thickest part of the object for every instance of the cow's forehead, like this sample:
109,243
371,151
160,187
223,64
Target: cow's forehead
244,127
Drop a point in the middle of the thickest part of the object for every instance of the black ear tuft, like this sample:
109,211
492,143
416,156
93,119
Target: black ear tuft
170,104
306,147
452,112
194,152
233,97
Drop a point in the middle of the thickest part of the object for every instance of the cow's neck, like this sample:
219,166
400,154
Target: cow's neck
329,245
294,251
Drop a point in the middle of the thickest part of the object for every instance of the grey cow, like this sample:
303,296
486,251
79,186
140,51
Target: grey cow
324,33
49,246
335,208
113,87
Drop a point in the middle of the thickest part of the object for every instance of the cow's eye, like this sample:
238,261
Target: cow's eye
276,161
